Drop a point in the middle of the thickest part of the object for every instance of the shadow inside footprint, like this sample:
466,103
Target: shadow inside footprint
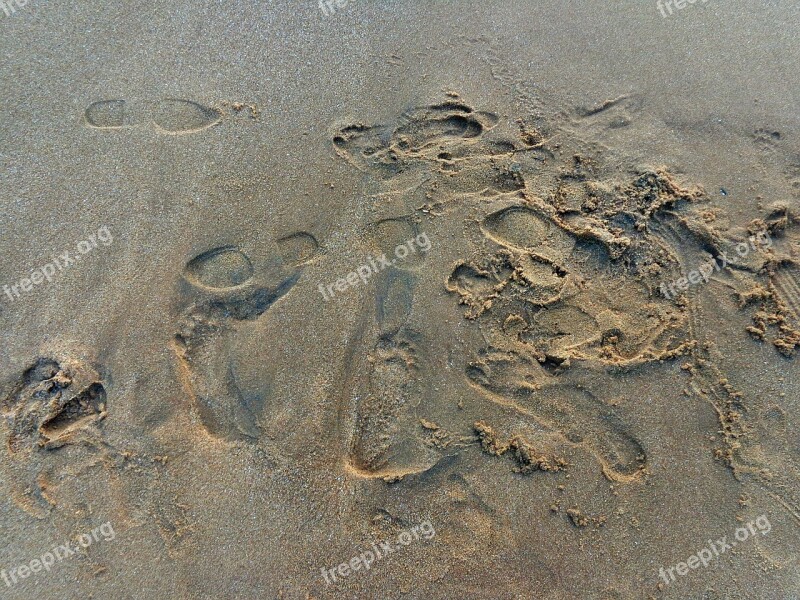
51,404
224,292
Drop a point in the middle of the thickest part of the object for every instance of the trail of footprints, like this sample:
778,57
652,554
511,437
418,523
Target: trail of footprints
171,116
530,297
564,284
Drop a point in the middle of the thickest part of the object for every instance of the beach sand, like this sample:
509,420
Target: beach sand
400,300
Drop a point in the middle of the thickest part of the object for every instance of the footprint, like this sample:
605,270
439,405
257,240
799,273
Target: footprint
430,126
54,403
106,114
298,249
223,267
365,147
171,116
177,116
767,139
223,292
384,441
424,133
786,279
511,381
385,431
517,227
526,229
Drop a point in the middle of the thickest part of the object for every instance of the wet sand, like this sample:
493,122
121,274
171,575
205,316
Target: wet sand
469,300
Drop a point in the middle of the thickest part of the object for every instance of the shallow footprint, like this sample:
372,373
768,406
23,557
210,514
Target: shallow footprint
786,279
106,114
517,227
174,116
223,267
366,147
385,441
514,382
298,248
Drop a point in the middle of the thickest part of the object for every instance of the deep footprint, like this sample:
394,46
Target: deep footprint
223,293
384,441
52,405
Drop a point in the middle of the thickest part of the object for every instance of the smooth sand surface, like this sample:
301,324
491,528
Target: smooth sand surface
573,374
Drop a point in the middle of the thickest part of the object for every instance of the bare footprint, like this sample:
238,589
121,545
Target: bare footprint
386,440
223,291
510,380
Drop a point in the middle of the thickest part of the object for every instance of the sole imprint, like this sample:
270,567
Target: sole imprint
787,283
170,116
184,116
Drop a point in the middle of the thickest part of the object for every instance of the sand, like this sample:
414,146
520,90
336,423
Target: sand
400,300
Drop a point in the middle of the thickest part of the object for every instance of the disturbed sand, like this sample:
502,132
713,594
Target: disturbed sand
424,300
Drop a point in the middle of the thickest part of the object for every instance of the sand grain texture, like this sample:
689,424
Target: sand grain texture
581,368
